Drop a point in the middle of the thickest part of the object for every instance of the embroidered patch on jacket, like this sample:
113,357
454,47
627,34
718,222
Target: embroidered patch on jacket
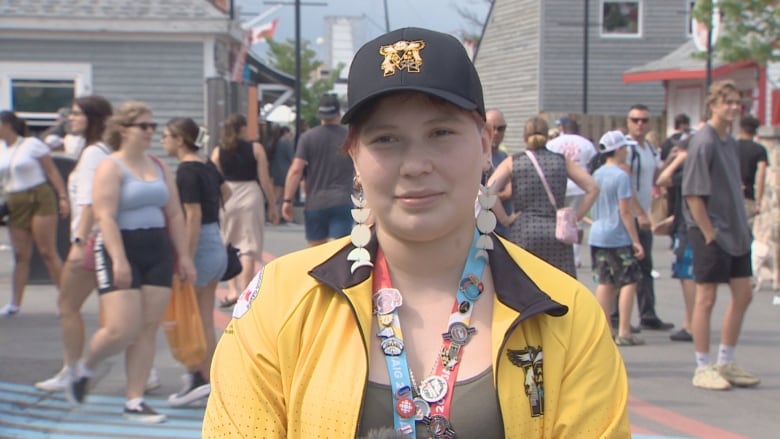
530,359
402,55
248,296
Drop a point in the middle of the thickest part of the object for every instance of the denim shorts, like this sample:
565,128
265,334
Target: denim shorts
332,222
210,256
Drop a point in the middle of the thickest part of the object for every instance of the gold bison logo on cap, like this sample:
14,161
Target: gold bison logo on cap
402,55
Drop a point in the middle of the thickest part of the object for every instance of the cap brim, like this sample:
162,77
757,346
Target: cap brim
452,98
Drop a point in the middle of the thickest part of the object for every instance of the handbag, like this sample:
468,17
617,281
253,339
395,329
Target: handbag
233,263
565,218
182,325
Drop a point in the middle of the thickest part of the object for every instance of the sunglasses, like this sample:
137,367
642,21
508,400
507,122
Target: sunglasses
143,125
639,119
501,128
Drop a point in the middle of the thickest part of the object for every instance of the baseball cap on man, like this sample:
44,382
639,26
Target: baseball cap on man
329,106
612,140
413,59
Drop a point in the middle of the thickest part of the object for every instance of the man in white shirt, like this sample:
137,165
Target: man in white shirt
580,151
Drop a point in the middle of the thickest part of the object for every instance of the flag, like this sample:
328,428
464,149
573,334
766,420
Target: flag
265,30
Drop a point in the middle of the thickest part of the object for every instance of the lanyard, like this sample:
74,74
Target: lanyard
429,402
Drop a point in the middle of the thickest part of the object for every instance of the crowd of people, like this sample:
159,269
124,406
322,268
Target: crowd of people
425,206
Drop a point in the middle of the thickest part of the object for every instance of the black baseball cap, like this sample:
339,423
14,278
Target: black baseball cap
414,59
329,106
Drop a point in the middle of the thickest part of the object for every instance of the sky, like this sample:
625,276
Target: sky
440,15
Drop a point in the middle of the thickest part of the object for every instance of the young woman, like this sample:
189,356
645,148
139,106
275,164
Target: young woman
534,228
245,167
526,351
87,118
26,168
613,239
137,208
201,189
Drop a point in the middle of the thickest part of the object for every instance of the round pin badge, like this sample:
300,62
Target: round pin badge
438,425
406,408
460,333
464,307
393,347
433,388
423,409
386,300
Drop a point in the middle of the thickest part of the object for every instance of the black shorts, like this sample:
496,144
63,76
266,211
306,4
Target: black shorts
712,265
615,266
149,254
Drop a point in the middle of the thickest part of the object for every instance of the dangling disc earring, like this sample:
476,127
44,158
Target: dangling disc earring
486,221
361,233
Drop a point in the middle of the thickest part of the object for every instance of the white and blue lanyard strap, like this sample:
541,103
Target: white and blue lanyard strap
431,402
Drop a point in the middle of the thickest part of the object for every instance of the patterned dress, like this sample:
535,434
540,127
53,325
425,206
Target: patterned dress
534,230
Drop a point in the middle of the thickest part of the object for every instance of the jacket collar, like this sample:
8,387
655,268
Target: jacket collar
514,288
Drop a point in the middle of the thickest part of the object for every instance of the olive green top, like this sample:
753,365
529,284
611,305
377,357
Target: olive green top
474,412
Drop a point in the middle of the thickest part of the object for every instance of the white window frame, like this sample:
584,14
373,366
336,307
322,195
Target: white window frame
79,73
640,16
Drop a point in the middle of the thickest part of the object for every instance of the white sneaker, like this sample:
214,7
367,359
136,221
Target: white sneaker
153,382
10,310
709,378
195,388
57,383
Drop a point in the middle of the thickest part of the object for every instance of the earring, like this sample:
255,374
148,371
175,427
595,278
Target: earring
486,221
361,233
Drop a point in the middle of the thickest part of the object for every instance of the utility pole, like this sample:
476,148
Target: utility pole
585,33
387,19
297,5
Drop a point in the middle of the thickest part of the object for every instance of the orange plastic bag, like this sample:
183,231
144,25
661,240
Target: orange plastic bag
183,327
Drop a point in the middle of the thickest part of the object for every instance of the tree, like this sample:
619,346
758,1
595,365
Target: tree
749,29
282,57
474,21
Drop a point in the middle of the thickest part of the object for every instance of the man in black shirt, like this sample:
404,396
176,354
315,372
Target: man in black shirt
752,162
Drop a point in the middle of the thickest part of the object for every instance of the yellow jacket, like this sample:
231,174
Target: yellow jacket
295,363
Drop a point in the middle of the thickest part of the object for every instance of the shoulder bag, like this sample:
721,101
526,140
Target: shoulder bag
565,218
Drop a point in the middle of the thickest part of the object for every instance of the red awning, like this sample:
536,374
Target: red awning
678,74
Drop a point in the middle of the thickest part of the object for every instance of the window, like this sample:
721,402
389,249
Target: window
621,19
36,90
41,95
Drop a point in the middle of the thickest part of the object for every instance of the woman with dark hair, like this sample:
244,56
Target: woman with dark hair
87,118
201,189
534,228
137,209
244,165
26,166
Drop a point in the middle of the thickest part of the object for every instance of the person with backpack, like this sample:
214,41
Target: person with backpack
643,163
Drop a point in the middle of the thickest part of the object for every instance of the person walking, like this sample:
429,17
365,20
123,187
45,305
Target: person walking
534,228
329,176
88,116
335,341
201,189
720,237
613,239
280,160
245,168
753,160
496,119
34,191
141,224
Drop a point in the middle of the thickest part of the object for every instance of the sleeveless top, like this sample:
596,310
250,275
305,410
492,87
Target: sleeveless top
475,411
239,164
141,202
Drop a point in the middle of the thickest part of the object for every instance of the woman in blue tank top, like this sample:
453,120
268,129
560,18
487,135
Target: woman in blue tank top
137,208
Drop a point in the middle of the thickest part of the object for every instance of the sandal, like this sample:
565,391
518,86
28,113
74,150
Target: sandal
227,302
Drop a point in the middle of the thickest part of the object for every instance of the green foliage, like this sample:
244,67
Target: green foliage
281,55
749,30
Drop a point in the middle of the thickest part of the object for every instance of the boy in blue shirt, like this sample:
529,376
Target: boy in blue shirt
614,242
